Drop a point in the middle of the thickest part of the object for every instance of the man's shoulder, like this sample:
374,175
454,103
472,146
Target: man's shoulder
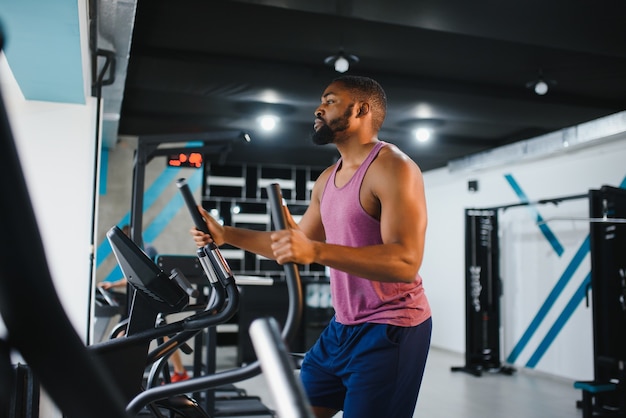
391,156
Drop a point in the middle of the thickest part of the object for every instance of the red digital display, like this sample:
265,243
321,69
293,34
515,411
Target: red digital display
192,159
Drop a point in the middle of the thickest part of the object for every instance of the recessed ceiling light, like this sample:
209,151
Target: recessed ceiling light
423,134
268,122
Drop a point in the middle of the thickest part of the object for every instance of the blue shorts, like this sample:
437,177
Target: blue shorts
367,370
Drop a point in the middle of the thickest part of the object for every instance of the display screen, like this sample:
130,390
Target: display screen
191,159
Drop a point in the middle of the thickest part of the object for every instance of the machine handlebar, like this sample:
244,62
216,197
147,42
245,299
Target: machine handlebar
197,218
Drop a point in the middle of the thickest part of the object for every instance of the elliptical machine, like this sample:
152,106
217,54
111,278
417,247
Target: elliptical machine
156,294
32,313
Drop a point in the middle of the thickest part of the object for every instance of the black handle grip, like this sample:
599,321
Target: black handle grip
219,263
292,274
276,206
196,216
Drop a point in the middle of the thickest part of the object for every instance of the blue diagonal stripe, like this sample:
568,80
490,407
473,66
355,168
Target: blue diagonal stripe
162,182
104,166
569,309
543,227
582,251
170,210
163,218
155,190
552,297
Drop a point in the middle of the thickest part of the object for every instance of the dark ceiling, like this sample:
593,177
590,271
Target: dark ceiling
461,66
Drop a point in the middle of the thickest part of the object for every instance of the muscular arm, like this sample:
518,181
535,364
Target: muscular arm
394,192
394,183
258,242
247,239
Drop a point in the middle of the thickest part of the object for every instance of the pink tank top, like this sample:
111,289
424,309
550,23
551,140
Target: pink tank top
357,300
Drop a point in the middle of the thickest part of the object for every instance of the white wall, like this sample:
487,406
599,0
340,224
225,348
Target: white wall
55,142
530,267
56,147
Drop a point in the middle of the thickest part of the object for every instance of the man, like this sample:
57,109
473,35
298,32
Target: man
367,222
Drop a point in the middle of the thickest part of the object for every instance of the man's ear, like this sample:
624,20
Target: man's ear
363,110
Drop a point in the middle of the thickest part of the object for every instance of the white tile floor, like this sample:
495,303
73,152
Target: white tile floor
460,395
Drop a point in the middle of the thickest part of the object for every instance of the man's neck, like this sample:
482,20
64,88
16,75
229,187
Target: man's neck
354,152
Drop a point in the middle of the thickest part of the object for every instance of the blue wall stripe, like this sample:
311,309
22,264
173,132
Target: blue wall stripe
544,228
115,274
163,218
547,341
171,209
549,302
104,167
161,183
569,309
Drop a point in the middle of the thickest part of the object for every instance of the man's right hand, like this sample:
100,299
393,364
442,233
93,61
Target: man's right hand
216,231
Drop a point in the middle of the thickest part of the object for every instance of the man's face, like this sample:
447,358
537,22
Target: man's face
326,132
332,116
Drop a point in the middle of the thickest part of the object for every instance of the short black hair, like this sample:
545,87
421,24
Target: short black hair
367,90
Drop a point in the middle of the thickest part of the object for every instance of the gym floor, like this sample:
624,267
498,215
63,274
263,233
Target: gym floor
456,394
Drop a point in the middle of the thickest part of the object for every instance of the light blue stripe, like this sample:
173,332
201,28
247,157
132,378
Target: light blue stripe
571,306
549,302
543,227
170,210
154,191
163,218
114,275
151,195
104,167
541,314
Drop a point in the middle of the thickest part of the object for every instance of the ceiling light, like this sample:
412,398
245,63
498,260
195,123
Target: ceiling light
423,134
341,61
268,122
422,129
341,65
541,87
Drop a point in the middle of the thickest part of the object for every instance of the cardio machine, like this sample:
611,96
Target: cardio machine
38,328
154,294
105,379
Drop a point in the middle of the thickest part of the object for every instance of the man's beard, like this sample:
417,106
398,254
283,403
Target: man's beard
327,133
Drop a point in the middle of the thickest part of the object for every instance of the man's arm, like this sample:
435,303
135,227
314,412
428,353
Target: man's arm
397,184
259,242
251,240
